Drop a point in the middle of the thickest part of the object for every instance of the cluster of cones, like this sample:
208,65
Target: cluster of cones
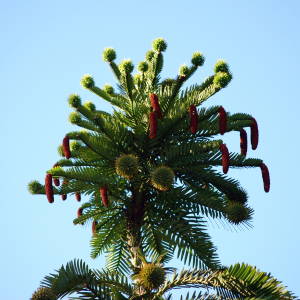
156,114
193,116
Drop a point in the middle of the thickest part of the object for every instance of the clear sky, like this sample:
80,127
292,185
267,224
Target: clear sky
46,46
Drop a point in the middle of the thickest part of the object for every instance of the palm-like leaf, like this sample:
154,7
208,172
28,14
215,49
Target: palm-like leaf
239,281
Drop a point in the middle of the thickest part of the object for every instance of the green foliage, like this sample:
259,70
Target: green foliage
161,191
239,281
34,187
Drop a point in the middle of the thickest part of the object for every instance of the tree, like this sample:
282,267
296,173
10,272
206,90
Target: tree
149,169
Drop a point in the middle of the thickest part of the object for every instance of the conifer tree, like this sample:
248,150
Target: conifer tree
154,171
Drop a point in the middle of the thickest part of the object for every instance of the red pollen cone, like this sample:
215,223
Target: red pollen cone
265,176
64,196
193,119
155,105
103,193
49,188
222,120
56,180
153,125
94,227
225,158
78,197
243,142
79,212
66,147
254,134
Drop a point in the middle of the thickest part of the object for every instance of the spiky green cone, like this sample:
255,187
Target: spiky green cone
151,276
162,178
127,166
43,294
237,212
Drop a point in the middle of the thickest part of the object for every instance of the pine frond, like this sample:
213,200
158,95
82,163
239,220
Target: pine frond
235,282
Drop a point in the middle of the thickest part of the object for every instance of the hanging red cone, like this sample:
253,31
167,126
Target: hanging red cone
243,142
254,134
153,125
225,158
155,105
49,188
64,196
222,120
79,212
66,147
193,119
56,180
103,193
265,176
94,227
78,196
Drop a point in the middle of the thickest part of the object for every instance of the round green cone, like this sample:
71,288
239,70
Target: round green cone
221,66
87,81
159,45
162,178
126,66
127,166
43,294
198,59
151,276
109,54
150,55
108,89
237,212
221,79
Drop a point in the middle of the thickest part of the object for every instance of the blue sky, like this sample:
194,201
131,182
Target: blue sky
46,47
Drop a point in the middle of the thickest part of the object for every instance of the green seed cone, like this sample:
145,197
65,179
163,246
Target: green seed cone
221,66
222,79
162,178
109,54
127,166
90,105
237,212
184,70
159,45
151,276
43,294
107,88
198,59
